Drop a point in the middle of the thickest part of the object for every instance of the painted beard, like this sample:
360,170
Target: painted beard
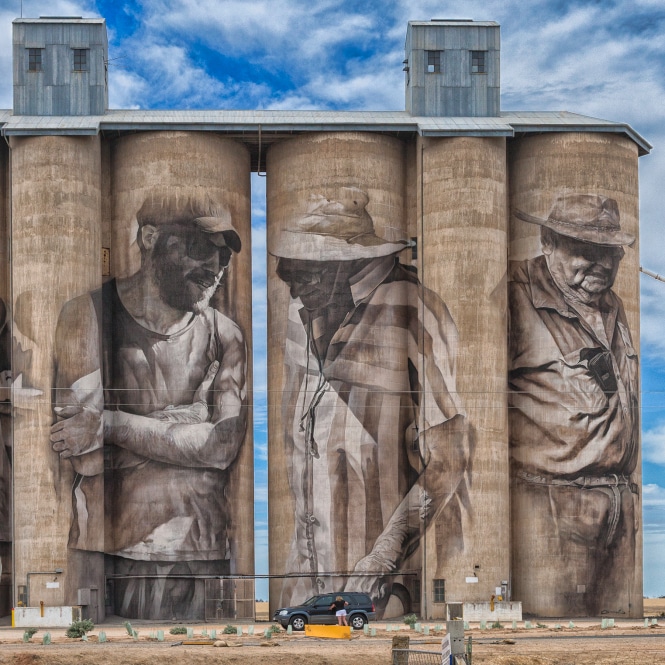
189,291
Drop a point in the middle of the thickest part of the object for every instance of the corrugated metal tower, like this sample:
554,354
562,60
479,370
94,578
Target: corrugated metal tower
60,66
452,68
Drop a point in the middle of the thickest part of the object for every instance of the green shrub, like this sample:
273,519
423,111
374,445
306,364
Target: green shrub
497,624
410,620
80,628
28,633
178,630
230,630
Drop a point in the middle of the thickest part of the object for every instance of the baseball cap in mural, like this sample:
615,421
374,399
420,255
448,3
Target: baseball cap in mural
340,230
587,217
201,213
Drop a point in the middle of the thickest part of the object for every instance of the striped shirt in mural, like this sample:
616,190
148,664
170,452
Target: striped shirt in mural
353,417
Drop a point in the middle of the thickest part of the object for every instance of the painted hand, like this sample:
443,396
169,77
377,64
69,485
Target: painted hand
77,431
197,411
372,581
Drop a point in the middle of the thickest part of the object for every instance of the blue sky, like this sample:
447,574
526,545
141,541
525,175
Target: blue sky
603,59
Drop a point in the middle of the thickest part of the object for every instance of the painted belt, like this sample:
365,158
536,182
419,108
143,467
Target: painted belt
613,480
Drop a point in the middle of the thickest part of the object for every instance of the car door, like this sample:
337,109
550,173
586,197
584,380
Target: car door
320,612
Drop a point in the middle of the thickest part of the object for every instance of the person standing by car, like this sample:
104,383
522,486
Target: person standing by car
339,605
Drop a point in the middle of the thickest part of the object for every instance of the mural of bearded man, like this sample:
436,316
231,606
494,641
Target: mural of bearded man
152,427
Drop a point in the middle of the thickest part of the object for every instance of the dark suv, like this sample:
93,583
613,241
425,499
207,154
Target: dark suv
360,610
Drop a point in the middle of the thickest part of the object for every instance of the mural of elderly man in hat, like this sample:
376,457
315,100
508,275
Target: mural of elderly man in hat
171,387
369,403
573,415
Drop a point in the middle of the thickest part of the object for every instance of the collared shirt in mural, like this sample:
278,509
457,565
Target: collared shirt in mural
353,417
563,421
171,505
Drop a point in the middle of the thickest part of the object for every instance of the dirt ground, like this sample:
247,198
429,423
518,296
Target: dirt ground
628,643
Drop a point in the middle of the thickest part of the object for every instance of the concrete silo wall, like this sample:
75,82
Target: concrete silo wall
463,234
5,408
132,417
55,246
338,416
574,376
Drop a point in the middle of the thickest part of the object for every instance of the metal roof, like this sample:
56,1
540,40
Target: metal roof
60,19
455,22
268,126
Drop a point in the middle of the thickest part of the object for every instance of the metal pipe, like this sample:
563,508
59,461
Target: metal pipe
256,577
660,278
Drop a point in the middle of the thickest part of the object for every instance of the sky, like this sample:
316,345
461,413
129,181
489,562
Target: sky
598,58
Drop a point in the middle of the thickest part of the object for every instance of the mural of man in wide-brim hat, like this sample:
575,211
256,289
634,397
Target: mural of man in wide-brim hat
573,414
319,251
351,408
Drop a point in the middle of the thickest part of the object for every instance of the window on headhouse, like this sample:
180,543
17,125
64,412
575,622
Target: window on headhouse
432,62
438,591
478,62
35,60
81,59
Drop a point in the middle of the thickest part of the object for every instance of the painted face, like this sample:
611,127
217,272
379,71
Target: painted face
188,268
316,283
581,268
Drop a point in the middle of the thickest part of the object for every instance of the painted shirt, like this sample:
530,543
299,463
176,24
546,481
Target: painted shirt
353,417
167,504
568,419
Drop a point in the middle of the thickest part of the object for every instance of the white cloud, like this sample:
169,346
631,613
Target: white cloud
653,445
653,495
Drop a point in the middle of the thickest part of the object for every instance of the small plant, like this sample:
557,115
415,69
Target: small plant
47,638
230,630
272,630
410,620
80,628
178,630
130,631
541,625
28,633
497,624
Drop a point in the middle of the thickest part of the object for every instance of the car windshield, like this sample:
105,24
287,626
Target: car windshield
311,601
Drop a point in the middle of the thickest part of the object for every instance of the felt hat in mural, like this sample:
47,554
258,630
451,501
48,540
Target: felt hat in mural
587,217
340,230
199,212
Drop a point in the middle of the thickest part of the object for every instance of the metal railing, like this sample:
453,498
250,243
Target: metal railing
413,657
416,657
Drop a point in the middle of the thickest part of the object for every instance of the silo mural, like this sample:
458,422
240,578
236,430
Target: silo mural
363,342
151,381
574,385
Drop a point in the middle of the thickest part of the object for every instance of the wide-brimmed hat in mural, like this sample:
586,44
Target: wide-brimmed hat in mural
340,230
587,217
202,213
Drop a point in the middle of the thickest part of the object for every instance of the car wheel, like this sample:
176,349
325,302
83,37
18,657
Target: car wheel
298,622
358,621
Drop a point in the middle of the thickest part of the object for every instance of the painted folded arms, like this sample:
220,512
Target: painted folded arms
205,433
